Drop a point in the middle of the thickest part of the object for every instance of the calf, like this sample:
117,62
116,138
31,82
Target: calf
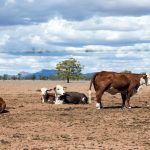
2,105
62,97
125,83
47,97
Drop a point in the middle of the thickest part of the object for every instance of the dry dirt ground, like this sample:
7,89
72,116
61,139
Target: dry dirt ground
29,125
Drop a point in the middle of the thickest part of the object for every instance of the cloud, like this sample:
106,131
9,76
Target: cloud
93,61
31,11
97,33
38,34
4,39
9,2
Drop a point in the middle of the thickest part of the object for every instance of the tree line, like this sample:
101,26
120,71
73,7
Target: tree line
52,77
66,70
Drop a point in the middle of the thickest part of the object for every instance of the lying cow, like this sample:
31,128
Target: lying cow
62,97
47,97
2,105
125,83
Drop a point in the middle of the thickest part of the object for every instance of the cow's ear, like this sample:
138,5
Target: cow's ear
144,76
64,87
49,89
38,90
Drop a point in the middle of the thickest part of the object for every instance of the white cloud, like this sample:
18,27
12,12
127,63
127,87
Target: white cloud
36,40
10,2
116,34
30,1
3,40
41,11
95,31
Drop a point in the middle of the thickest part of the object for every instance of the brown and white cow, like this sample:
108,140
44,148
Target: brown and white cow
47,97
61,97
125,83
2,105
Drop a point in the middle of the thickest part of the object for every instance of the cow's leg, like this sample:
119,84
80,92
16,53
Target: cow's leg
128,103
124,96
129,94
128,100
42,98
98,99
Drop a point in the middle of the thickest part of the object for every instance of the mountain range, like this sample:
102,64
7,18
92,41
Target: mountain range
45,73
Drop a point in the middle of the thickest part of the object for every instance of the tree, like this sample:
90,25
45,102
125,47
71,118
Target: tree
19,76
126,71
13,77
69,69
5,77
33,77
1,77
43,77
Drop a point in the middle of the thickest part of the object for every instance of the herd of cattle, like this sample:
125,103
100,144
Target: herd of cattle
125,83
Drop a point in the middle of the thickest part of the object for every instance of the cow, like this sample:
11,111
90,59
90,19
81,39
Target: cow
62,97
2,105
127,84
47,97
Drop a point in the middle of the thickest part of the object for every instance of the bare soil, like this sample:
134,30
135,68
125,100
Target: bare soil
27,124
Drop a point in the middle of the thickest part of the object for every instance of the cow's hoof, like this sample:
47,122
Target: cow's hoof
123,107
98,108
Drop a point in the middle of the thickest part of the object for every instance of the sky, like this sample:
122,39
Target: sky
111,35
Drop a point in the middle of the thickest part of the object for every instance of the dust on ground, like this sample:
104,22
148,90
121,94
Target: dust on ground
27,124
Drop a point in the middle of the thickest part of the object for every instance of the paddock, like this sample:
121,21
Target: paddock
28,124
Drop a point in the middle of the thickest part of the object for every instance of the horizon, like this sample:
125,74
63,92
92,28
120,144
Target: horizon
102,35
50,69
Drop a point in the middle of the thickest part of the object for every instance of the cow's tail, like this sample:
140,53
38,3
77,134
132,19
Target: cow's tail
90,98
90,92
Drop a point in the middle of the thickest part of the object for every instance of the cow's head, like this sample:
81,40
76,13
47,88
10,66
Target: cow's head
44,94
59,90
44,91
145,79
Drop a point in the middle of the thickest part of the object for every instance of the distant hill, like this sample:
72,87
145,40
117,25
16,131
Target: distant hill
24,74
45,73
89,74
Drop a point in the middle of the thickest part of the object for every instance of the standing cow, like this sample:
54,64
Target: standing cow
125,83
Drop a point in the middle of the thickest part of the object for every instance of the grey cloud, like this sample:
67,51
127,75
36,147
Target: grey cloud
25,12
105,60
96,29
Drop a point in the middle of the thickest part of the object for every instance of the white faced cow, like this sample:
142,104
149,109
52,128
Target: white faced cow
125,83
47,97
62,97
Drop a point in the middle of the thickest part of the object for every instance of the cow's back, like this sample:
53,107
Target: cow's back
110,79
75,98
